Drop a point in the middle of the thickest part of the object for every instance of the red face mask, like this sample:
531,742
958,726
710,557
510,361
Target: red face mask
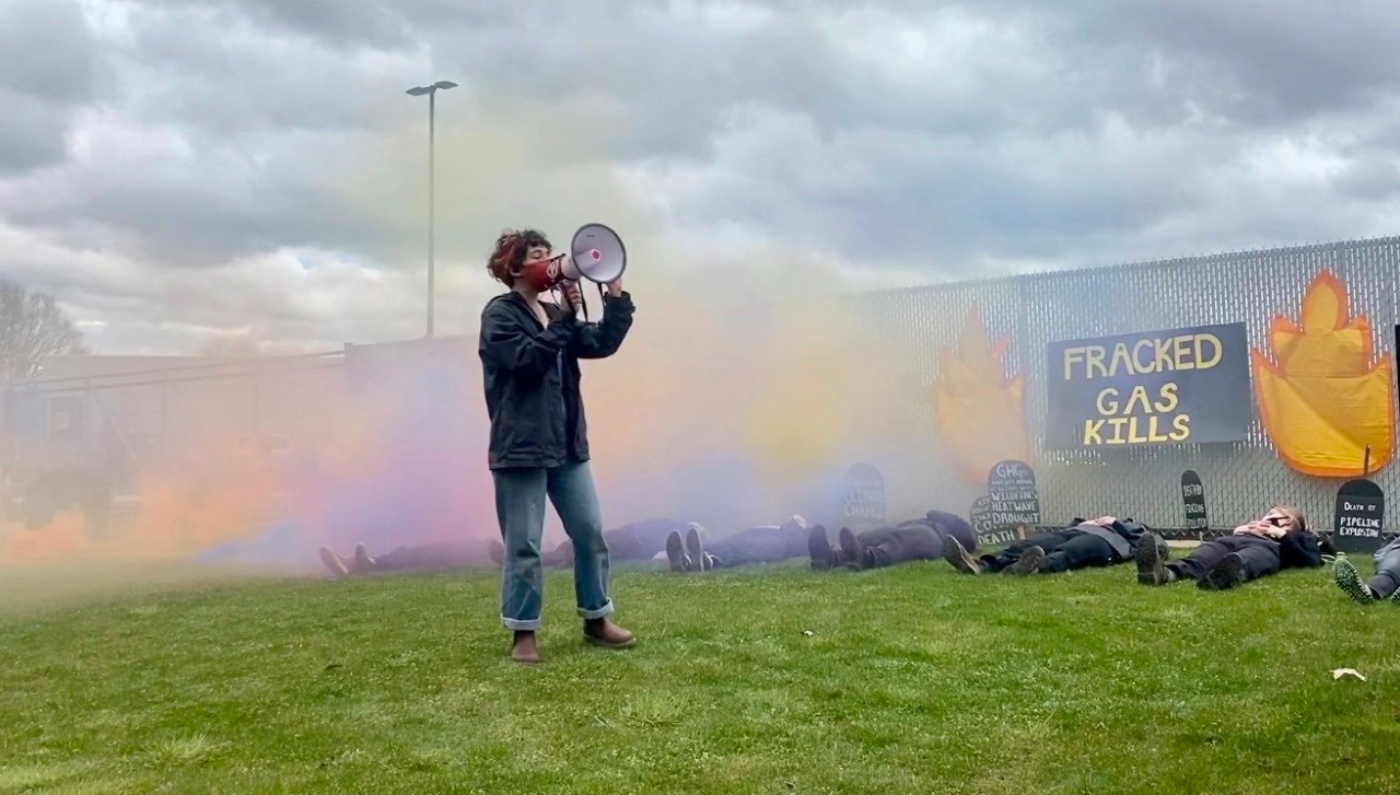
544,273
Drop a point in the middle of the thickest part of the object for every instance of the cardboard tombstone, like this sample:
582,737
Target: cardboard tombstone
864,503
1015,500
1359,519
1193,499
980,517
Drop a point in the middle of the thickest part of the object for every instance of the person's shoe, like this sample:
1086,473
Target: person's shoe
603,632
497,551
819,548
675,553
363,562
1150,569
524,650
850,551
1346,577
695,547
335,563
1032,560
959,558
1228,573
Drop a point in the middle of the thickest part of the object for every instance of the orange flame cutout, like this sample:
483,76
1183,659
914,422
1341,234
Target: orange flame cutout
1322,398
979,413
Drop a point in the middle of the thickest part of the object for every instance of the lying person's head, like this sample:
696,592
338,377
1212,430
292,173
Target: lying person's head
1286,518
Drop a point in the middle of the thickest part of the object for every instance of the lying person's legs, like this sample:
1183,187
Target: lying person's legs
1253,558
1104,541
819,549
424,557
890,546
1384,584
755,545
686,553
635,542
1217,564
1153,568
1075,551
962,560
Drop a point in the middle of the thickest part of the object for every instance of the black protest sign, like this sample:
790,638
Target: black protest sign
863,502
1181,386
1358,521
1193,496
1015,500
980,517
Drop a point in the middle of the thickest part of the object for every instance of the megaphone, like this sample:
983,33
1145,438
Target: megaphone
597,254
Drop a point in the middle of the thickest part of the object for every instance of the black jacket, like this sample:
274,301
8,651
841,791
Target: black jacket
1299,550
531,377
1123,535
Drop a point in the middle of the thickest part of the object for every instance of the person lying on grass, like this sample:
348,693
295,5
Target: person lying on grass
638,541
1104,541
631,543
463,554
1384,584
764,544
1278,540
916,539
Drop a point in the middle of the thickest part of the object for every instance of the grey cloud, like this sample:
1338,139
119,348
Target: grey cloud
48,50
1012,131
31,132
46,71
329,21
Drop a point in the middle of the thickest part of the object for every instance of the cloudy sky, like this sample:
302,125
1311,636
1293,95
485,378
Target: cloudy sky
172,170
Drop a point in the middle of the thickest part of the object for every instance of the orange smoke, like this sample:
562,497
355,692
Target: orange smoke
224,489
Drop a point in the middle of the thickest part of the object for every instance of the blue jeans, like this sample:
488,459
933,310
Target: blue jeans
1387,577
520,497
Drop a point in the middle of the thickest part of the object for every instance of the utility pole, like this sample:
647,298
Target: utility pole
431,91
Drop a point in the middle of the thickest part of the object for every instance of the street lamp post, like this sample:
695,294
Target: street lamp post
431,91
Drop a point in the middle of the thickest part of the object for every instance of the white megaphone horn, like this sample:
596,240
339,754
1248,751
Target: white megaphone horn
596,254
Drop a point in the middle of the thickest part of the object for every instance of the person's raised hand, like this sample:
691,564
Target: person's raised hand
573,298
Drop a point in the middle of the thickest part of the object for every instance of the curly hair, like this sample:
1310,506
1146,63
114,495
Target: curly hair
509,255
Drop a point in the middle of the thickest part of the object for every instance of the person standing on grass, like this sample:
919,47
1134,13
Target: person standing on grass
1279,540
1384,584
1105,541
917,539
530,352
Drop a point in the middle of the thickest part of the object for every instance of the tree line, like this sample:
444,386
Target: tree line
32,326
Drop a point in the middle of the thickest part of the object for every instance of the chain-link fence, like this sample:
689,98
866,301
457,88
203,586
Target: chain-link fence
1241,479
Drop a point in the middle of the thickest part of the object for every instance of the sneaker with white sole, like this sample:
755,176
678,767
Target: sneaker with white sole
1348,579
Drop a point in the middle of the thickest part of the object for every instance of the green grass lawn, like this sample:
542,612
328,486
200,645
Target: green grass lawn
912,679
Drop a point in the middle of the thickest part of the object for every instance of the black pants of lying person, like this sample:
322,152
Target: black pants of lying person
1101,542
914,540
765,544
1263,547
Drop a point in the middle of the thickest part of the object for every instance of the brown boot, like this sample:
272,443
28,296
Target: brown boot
603,632
524,650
